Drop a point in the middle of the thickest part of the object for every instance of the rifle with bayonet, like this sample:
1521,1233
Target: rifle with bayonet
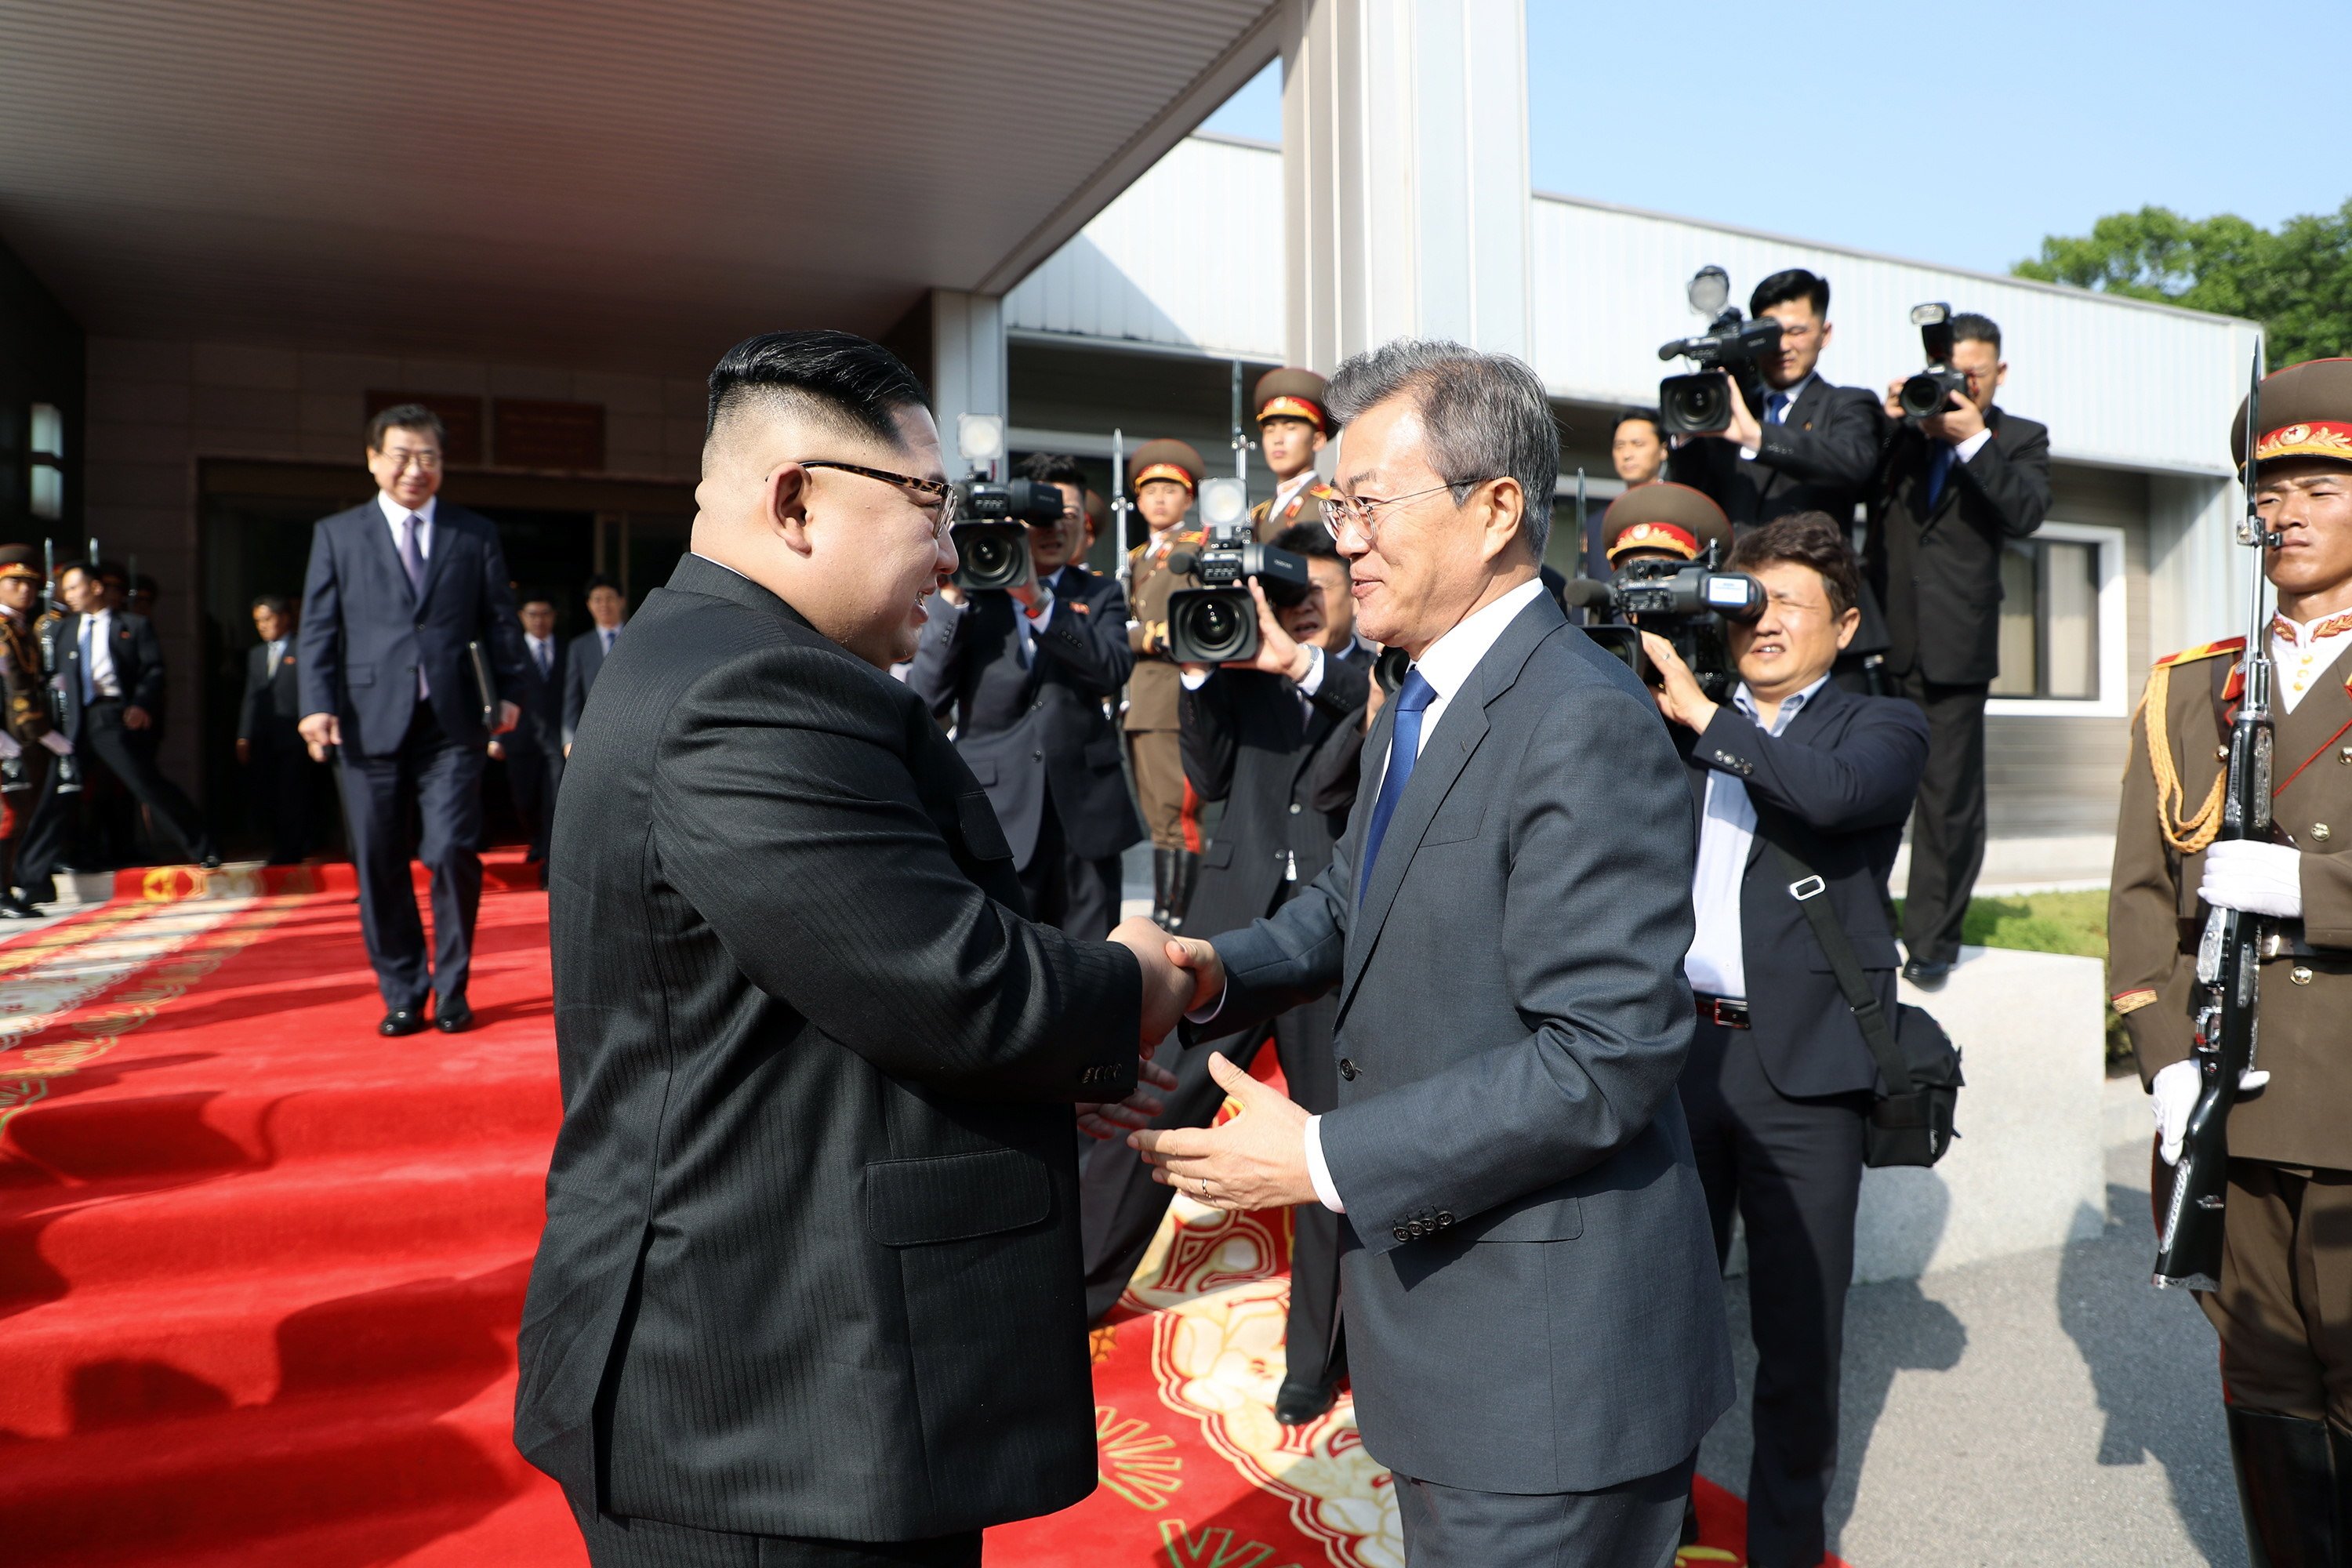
2229,955
45,632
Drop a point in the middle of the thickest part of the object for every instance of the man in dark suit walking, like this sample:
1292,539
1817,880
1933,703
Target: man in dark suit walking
402,593
533,749
109,670
1953,490
269,736
1277,740
808,1292
1026,672
1534,1310
1779,1078
584,656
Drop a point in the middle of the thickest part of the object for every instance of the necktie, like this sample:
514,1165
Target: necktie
412,559
609,634
1774,406
540,653
89,684
1404,745
1939,468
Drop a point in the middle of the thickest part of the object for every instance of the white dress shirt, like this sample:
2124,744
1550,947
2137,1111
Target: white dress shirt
542,653
1446,664
2302,651
1286,492
98,654
1717,964
397,514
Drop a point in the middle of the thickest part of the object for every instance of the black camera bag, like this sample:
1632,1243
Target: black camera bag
1911,1122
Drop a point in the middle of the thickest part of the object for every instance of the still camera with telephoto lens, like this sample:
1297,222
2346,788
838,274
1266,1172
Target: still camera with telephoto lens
991,533
1684,602
1731,347
1217,623
1929,393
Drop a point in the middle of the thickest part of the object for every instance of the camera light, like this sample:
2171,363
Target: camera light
1710,290
1224,502
1930,315
979,437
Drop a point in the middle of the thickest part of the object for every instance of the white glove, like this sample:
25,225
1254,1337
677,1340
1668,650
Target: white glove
9,748
2173,1095
2253,877
56,742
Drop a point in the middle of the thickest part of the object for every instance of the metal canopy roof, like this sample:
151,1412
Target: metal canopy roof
598,184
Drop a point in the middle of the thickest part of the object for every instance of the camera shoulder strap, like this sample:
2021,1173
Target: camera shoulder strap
1806,886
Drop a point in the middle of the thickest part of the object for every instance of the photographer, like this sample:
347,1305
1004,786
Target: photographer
1954,490
1276,739
1812,446
1779,1078
1025,671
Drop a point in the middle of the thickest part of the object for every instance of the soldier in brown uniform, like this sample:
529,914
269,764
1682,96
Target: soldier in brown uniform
2283,1308
1293,424
1166,475
25,719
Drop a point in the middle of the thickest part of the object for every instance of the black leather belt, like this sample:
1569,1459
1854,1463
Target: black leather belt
1728,1011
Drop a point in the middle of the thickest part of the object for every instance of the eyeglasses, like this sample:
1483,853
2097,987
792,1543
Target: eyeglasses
929,494
401,457
1362,513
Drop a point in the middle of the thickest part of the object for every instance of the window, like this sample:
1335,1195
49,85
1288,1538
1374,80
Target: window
48,476
2062,622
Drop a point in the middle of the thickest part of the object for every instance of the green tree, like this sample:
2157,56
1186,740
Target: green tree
2296,280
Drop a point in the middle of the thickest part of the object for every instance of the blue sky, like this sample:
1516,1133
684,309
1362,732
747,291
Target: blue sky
1847,125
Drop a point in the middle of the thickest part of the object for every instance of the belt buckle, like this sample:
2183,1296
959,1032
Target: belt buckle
1727,1014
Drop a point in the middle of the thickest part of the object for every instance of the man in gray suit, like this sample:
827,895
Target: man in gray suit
584,660
1535,1320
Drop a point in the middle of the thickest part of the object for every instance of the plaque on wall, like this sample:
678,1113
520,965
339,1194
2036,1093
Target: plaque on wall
536,433
461,420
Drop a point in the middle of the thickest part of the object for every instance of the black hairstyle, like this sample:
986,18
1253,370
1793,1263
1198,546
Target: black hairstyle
1055,468
405,416
1311,540
1809,538
1967,327
1792,283
860,384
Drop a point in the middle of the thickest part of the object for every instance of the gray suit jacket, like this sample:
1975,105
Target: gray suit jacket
1529,1280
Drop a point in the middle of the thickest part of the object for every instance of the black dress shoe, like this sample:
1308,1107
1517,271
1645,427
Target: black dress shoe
1295,1404
209,862
17,907
1926,976
451,1020
402,1021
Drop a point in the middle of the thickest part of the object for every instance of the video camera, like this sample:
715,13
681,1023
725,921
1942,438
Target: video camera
1732,346
992,540
1684,602
1929,393
1217,622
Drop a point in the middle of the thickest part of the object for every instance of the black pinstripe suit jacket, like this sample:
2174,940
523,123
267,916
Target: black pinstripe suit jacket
811,1264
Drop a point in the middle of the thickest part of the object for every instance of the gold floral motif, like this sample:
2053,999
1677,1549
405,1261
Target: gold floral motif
1134,1461
1213,1547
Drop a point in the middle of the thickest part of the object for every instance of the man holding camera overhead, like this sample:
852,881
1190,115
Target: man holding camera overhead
1166,475
1025,670
1812,446
1955,487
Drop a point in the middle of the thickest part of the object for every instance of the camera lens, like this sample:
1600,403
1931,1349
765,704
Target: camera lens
1216,626
1695,405
989,555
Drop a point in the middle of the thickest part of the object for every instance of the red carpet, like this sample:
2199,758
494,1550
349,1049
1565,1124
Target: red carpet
260,1271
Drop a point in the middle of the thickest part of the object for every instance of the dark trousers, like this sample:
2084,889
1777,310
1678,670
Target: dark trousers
441,783
2284,1308
1792,1170
1948,826
532,775
650,1543
1079,896
1636,1524
130,756
284,784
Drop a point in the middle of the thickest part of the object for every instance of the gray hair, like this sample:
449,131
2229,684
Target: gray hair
1487,416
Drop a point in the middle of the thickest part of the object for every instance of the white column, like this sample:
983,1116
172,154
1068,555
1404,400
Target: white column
1405,128
967,372
2196,568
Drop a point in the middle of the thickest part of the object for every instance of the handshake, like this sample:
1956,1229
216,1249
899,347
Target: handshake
1181,974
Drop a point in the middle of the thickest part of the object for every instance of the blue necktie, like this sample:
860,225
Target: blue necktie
1939,470
89,687
1774,406
1404,745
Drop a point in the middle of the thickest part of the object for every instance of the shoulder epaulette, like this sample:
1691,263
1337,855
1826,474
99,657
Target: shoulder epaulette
1262,508
2203,651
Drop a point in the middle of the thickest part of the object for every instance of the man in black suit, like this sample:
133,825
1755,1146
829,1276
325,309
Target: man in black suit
403,594
1026,673
109,670
808,1292
584,656
1812,446
1953,490
1277,740
1779,1078
533,749
268,737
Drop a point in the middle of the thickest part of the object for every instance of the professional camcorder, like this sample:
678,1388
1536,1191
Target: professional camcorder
1684,602
1929,393
1217,623
1700,404
992,540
